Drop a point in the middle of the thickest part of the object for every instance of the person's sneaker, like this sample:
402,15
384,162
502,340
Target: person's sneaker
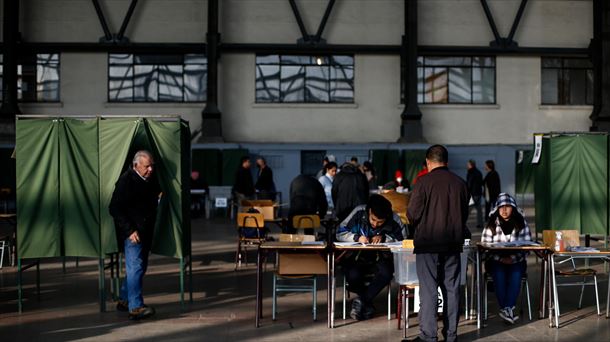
141,312
513,314
122,305
506,315
356,312
368,311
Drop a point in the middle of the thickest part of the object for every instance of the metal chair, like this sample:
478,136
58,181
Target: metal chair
285,277
248,220
524,286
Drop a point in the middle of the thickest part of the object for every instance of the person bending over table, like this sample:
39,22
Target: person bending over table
371,223
506,224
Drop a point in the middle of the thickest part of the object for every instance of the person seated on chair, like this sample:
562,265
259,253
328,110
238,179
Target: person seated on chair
506,224
371,223
306,198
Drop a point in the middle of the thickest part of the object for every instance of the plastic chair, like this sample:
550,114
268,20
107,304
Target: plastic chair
284,278
524,286
248,220
571,238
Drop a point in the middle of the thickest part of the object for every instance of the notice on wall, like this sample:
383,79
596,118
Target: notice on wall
520,157
221,202
537,148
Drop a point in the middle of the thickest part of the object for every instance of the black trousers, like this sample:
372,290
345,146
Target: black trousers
358,269
438,270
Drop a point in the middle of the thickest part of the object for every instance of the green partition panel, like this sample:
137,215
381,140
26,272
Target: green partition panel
209,164
38,221
413,160
524,173
230,163
386,162
542,188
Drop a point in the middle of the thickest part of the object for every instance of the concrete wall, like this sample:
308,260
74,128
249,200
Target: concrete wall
375,114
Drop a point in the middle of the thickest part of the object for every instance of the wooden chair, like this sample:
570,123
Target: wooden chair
248,220
571,238
286,276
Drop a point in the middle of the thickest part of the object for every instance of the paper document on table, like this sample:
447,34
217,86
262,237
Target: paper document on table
393,244
315,243
518,243
348,244
582,249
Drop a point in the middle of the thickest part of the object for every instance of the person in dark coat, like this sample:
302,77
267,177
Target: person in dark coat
474,180
306,198
438,210
243,187
134,209
350,189
265,187
492,186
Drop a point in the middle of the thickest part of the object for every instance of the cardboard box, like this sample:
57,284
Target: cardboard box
301,264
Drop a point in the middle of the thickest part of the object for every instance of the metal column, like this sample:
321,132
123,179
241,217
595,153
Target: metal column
211,128
10,52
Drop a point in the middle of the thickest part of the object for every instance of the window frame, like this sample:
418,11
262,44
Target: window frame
327,62
561,83
156,71
33,60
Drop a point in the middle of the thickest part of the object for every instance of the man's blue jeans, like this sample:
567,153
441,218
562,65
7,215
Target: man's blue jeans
507,282
136,262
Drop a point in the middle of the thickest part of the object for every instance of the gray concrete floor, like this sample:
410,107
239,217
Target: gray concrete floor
224,300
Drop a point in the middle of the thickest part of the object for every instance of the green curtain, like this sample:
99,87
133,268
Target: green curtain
413,160
574,184
524,173
37,153
386,162
230,163
208,163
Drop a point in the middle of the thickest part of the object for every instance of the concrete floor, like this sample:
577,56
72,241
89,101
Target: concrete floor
223,306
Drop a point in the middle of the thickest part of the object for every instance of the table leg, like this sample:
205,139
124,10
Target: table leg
543,279
328,285
479,290
608,298
332,289
259,286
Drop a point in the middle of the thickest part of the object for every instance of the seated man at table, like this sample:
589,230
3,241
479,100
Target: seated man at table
306,198
372,223
506,224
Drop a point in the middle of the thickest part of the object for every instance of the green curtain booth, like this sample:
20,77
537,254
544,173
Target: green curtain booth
385,162
230,163
571,183
413,160
66,171
524,172
208,162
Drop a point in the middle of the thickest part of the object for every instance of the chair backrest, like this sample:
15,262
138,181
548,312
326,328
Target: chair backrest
250,220
306,221
257,203
570,237
296,238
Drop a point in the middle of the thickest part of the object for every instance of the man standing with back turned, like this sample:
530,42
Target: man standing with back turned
438,210
134,209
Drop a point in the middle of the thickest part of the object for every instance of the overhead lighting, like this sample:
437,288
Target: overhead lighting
319,60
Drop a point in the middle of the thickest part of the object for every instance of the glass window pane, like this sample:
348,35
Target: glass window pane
460,85
420,85
550,86
267,59
116,58
420,61
299,60
145,83
26,83
551,62
484,61
120,84
47,83
590,87
170,83
484,85
342,60
293,83
577,63
158,59
448,61
436,85
195,83
577,86
342,84
316,83
192,58
267,83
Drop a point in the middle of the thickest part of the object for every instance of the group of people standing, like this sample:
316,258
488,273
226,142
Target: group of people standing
480,188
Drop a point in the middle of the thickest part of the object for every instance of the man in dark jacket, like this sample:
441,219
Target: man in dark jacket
438,210
372,223
306,198
134,209
474,180
350,189
492,186
243,187
264,184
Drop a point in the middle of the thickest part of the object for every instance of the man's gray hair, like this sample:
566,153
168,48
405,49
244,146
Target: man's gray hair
140,154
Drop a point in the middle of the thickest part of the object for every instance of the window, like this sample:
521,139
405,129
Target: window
157,78
455,80
567,81
37,78
304,79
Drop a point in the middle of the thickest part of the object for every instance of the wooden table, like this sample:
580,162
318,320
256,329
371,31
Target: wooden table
541,251
603,254
270,246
